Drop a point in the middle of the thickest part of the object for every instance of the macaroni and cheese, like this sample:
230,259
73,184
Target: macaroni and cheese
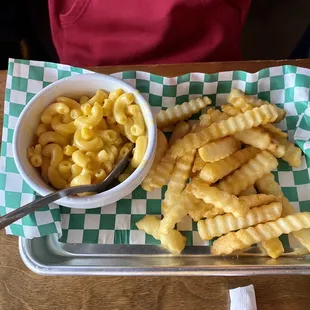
80,142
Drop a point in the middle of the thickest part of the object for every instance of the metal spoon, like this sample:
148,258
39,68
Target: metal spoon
39,203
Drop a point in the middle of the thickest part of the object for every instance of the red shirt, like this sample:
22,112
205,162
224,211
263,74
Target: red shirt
112,32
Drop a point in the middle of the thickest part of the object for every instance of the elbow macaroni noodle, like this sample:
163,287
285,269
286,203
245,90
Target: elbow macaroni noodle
52,110
139,151
41,129
83,99
80,141
120,106
138,127
92,120
64,129
55,152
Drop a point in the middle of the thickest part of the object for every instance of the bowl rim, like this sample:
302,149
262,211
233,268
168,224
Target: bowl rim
84,201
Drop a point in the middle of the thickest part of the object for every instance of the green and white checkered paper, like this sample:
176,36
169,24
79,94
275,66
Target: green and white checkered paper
286,86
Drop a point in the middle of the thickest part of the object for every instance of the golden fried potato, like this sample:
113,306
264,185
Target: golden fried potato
268,185
198,163
292,154
251,201
256,137
220,199
223,224
162,171
222,148
199,210
174,241
171,116
250,190
181,129
230,110
273,247
254,169
176,212
245,102
272,129
256,200
178,179
162,146
252,118
246,237
212,172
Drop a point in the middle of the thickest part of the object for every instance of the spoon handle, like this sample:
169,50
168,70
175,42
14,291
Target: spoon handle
41,202
29,208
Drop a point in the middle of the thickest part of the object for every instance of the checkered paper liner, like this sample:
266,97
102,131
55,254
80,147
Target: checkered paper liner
286,86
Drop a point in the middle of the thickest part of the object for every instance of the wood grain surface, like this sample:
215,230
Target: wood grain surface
22,289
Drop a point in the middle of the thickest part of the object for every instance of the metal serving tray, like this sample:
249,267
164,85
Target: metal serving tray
47,256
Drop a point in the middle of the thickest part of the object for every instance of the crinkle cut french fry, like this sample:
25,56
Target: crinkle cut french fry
180,130
220,199
244,102
198,163
276,149
254,169
256,200
230,110
162,146
222,148
223,224
246,237
258,138
164,208
292,154
176,212
171,116
216,115
199,210
251,201
205,119
268,185
272,129
163,171
248,191
252,118
179,177
253,136
165,166
258,103
238,99
214,212
174,241
212,172
303,236
273,247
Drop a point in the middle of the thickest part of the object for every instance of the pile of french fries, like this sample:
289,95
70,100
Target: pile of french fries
219,173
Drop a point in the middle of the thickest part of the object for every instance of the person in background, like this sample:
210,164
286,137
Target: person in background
120,32
11,32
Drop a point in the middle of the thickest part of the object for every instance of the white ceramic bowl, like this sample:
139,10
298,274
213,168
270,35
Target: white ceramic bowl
75,87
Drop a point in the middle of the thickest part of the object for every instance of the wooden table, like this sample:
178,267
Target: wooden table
22,289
